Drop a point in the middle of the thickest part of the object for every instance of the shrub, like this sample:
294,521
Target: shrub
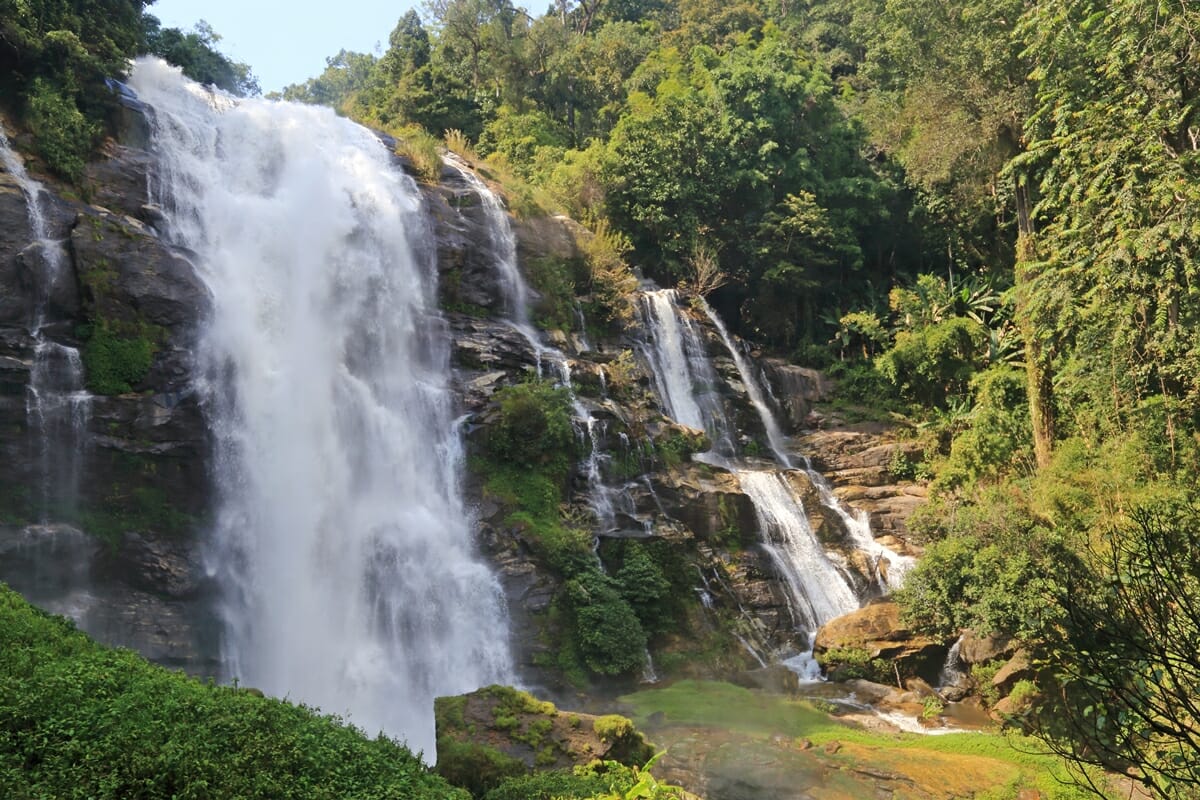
534,429
422,149
81,720
609,637
932,363
64,136
116,363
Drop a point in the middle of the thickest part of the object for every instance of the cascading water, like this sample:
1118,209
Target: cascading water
817,589
516,300
341,543
57,406
515,292
856,524
681,368
775,437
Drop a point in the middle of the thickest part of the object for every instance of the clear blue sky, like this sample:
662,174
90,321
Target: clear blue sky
284,42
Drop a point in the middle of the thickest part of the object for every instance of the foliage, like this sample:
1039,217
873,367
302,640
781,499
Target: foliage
156,734
996,441
422,149
476,767
534,428
992,567
553,280
116,363
196,54
932,363
610,638
64,136
1123,659
645,587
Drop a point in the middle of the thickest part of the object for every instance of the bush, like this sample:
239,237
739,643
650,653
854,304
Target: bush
998,437
930,364
81,720
534,429
116,363
64,136
475,767
609,637
422,149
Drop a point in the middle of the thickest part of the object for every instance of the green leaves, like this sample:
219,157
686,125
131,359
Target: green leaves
80,720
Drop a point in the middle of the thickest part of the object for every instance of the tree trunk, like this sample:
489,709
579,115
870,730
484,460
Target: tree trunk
1038,374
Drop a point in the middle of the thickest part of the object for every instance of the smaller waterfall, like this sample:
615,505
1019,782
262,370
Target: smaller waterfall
516,299
775,435
515,292
817,587
682,371
819,592
57,406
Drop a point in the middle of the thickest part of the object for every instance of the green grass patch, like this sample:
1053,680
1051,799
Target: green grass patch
1004,761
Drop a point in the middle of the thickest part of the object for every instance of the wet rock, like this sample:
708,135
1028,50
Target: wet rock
775,678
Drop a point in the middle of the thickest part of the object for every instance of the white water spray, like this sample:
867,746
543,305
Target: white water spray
342,544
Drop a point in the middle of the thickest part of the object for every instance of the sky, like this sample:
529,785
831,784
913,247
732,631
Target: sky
282,42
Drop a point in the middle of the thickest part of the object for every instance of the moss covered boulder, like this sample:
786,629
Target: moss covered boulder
499,732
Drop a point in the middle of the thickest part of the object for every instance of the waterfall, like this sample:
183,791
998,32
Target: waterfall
681,369
57,407
855,523
515,292
341,543
774,433
817,589
603,499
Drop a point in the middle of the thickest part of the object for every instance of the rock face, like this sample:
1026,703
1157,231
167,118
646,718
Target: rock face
140,460
875,633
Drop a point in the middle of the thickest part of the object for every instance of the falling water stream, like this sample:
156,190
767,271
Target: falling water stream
817,587
57,406
342,544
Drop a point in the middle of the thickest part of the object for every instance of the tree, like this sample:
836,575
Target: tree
1125,679
1116,144
195,52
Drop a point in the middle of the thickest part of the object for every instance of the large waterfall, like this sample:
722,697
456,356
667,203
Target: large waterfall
341,544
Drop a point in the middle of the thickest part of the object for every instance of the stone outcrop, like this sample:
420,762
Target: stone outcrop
875,633
498,732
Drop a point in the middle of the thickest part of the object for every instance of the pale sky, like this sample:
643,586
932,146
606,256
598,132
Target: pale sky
283,42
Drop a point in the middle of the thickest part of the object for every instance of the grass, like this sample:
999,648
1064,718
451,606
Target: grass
980,765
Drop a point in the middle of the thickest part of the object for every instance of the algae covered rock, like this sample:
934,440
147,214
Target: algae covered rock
498,732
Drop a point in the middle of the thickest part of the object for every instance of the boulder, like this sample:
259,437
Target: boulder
1017,668
976,649
497,731
876,631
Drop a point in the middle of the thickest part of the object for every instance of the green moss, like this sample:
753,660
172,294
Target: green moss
449,713
117,362
142,508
